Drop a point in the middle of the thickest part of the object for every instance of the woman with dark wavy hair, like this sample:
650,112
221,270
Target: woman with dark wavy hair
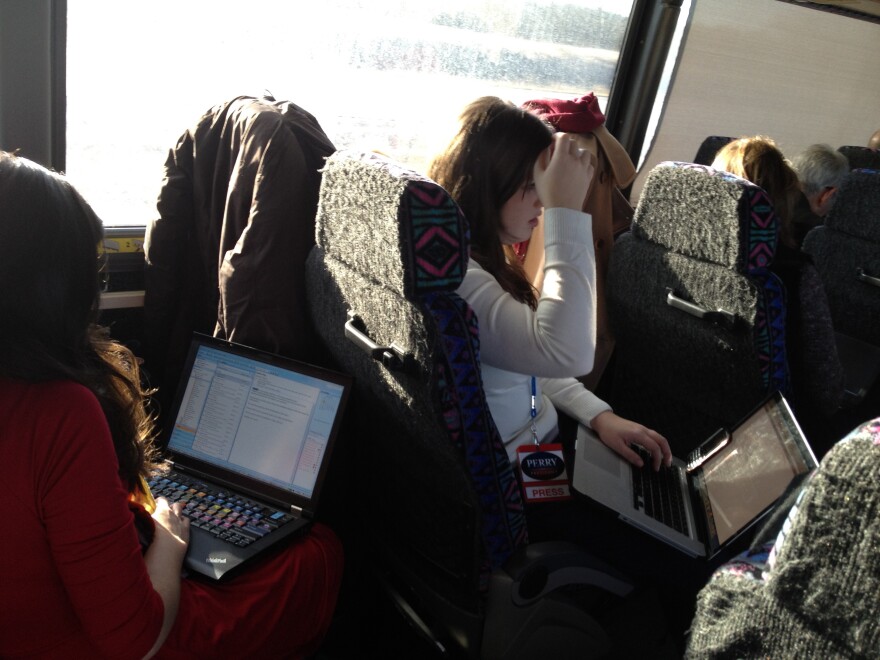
75,447
505,167
49,270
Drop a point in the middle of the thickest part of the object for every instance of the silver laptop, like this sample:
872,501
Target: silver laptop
702,504
250,444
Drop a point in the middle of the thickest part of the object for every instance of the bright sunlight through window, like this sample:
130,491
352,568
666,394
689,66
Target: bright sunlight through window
385,75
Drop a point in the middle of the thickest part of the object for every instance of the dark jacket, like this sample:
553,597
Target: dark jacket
803,219
226,256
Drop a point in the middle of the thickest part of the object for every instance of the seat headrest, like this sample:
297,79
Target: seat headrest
391,223
856,209
861,157
709,148
707,214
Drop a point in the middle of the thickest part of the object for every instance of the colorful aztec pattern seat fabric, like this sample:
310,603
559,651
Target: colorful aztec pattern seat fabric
699,317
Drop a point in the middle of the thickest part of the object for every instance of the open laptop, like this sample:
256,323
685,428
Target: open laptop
250,440
725,486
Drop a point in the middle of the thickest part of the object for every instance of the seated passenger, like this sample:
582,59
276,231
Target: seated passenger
821,171
816,372
874,140
504,165
75,447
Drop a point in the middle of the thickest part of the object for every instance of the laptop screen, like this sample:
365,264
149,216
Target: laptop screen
256,415
745,478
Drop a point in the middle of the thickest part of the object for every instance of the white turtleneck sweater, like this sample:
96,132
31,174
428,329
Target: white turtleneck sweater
555,343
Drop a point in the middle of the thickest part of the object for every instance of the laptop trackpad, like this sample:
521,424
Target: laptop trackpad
606,460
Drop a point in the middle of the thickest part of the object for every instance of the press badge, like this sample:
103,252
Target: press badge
544,477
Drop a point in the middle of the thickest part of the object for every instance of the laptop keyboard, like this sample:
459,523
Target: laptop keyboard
659,494
233,519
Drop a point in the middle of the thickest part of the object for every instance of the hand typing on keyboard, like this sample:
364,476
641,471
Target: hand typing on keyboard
229,517
659,494
169,544
618,434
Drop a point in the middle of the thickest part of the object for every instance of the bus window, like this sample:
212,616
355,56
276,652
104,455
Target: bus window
390,76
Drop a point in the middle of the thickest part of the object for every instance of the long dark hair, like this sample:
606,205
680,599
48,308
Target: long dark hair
49,291
487,162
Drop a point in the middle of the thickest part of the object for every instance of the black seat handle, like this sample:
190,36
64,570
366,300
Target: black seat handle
862,276
391,357
713,316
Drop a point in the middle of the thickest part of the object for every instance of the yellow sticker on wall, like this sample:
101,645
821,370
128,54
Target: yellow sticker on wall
122,244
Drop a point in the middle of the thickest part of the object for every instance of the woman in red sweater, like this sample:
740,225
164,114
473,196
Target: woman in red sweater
75,445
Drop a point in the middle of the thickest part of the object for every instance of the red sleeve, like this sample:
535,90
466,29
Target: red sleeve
91,530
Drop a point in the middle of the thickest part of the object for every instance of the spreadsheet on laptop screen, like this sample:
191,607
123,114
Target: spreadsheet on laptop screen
259,419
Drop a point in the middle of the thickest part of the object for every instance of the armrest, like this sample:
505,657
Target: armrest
540,568
719,316
532,611
862,276
861,367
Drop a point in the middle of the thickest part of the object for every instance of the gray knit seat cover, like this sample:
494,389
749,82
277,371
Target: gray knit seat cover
819,595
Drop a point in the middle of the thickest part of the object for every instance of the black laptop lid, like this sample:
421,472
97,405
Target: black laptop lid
743,477
256,422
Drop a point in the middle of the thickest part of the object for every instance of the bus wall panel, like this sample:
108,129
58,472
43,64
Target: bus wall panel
763,67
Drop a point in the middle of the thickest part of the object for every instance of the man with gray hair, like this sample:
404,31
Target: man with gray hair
821,170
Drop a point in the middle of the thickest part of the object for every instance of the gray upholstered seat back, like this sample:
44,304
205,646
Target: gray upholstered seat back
391,251
856,210
861,157
391,223
846,251
701,243
709,148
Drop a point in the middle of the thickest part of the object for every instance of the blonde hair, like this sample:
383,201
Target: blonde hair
760,160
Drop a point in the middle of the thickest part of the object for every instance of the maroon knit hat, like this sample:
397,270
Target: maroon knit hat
578,116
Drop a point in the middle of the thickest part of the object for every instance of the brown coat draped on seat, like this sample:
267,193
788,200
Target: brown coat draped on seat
236,222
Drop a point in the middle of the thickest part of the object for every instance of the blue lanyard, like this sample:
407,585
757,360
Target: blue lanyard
534,412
